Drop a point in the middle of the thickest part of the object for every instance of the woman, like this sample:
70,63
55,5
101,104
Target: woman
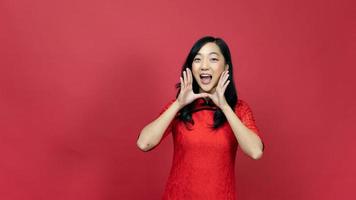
208,122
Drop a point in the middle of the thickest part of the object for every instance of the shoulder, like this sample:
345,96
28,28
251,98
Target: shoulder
242,107
241,104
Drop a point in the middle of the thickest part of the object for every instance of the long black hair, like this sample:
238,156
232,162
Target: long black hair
185,114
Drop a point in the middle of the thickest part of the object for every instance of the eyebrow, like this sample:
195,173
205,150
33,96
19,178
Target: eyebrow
209,53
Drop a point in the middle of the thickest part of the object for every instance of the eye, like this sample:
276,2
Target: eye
214,59
196,59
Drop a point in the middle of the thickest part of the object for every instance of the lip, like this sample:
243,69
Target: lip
205,74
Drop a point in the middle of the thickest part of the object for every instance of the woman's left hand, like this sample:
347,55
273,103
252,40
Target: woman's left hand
218,96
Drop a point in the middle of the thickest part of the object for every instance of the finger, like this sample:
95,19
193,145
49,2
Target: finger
225,86
226,74
209,95
219,82
185,78
226,77
220,79
189,76
181,83
202,95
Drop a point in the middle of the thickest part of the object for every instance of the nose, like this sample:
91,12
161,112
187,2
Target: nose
204,66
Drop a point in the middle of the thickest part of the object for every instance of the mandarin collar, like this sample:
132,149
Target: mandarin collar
202,103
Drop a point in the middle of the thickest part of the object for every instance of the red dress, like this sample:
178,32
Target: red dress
203,165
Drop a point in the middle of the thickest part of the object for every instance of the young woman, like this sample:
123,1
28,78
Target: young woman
208,122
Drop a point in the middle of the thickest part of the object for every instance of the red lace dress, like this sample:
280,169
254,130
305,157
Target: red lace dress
203,165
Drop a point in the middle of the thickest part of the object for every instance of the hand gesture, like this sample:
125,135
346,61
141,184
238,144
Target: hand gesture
186,95
218,96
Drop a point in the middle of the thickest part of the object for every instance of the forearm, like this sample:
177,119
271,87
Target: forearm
249,141
152,133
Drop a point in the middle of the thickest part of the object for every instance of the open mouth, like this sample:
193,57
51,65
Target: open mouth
205,78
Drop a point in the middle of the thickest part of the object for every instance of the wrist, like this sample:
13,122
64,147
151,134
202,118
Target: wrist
177,104
225,107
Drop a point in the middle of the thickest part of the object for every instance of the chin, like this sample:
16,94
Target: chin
206,89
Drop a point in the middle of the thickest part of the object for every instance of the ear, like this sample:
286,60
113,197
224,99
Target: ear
226,66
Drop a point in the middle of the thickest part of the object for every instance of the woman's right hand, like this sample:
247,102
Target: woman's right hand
186,95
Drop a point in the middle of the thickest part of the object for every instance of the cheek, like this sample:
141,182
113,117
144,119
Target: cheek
195,77
195,72
218,71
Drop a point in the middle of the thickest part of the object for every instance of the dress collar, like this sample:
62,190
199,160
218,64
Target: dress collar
202,103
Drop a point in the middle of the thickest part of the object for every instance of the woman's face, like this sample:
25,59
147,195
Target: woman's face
207,67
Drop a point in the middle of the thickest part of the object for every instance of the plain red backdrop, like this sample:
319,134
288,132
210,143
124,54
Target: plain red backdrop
80,79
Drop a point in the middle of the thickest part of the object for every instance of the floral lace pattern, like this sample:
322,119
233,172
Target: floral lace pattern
203,164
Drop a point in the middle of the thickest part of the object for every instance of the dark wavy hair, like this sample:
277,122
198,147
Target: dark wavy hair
185,114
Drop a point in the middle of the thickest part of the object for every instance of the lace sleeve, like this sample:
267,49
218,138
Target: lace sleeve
249,121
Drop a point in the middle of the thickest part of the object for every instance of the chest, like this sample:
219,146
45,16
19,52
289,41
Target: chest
200,136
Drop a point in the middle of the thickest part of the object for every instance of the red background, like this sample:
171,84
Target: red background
80,79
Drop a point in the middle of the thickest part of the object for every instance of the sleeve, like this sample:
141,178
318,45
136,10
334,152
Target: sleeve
249,121
170,126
